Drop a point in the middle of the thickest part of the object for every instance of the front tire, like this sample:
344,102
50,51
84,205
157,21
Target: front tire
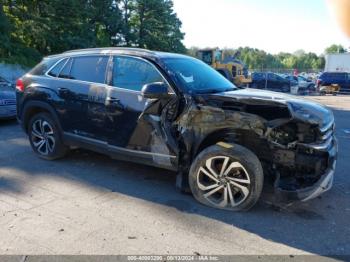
45,138
229,178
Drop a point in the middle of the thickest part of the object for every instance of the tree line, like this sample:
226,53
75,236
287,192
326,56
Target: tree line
260,60
30,29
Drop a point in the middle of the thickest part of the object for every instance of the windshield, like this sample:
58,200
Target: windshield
194,76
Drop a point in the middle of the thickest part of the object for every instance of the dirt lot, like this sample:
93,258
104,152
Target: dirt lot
90,204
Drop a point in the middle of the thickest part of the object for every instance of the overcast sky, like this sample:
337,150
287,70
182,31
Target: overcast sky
271,25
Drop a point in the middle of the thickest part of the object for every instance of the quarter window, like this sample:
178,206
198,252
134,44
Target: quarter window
57,69
132,73
89,68
66,69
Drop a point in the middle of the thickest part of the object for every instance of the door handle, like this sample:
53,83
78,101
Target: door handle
114,102
113,99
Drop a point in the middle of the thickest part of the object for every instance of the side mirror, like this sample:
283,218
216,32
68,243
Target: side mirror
155,90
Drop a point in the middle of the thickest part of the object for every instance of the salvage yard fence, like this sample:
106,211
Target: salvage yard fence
285,71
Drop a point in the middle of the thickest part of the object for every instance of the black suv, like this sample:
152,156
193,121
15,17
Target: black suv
272,81
176,112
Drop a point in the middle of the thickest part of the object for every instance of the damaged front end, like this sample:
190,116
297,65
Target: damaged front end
294,139
305,152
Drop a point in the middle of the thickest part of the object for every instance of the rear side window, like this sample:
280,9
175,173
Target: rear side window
89,68
64,73
272,77
132,73
43,66
259,75
57,68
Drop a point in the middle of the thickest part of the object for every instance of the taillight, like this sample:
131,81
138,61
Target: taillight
318,82
20,85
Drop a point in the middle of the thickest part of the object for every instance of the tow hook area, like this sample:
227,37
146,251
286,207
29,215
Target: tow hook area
304,194
324,186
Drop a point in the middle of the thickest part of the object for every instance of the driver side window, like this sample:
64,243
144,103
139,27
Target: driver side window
133,73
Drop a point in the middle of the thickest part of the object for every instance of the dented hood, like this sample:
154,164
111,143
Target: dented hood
301,109
256,94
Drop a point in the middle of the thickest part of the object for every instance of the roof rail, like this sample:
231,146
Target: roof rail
111,49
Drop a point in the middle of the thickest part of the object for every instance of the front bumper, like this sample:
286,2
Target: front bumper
323,184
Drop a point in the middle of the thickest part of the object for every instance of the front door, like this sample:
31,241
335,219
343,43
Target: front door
134,124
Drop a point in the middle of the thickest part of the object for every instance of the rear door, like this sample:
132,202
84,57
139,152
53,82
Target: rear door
134,124
81,89
259,80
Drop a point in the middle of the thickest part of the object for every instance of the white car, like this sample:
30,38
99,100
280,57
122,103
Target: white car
304,85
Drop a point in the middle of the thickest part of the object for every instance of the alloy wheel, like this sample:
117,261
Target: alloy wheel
223,181
43,138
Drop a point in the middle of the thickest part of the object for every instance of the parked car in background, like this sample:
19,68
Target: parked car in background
7,99
332,82
301,85
273,82
176,112
5,82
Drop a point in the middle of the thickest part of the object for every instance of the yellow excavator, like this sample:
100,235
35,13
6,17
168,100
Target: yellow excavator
231,68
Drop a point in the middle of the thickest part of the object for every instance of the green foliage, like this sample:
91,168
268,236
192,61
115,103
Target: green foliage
31,29
260,60
335,49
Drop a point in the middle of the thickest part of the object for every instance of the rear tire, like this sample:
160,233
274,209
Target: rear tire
227,178
45,137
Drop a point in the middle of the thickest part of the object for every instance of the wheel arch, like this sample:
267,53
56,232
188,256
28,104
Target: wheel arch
32,108
227,135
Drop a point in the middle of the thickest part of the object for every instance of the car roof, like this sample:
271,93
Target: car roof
333,73
120,50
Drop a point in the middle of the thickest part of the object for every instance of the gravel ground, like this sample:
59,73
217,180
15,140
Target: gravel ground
90,204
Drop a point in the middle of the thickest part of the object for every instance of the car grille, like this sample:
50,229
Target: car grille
326,132
8,102
325,138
